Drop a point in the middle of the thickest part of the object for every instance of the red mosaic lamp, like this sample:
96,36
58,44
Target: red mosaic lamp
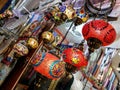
98,33
49,65
74,57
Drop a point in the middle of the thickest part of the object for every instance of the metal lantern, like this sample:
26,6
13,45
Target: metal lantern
33,43
74,57
70,12
48,37
98,33
83,14
49,66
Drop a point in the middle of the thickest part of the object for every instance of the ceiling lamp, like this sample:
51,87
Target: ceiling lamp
74,57
49,66
98,33
70,12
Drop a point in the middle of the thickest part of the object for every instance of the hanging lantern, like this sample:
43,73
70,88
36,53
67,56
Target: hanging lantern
75,57
70,12
49,66
98,33
20,49
33,43
63,17
47,37
82,14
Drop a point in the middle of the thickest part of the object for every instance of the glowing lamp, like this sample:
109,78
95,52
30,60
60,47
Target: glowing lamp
75,57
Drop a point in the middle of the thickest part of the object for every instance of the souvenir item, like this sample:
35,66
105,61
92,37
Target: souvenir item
20,49
59,17
82,14
47,37
6,14
62,8
98,33
74,57
57,39
101,7
33,43
4,5
54,10
48,16
70,12
63,17
49,66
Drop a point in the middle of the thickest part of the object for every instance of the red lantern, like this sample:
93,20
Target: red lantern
75,57
49,66
100,30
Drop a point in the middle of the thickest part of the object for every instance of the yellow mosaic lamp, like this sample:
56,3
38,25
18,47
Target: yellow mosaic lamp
70,12
47,37
32,42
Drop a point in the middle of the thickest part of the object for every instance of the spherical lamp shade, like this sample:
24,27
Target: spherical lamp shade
100,31
75,57
32,42
47,37
20,49
49,66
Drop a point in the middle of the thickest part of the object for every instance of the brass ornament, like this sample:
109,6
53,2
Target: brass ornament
47,37
32,42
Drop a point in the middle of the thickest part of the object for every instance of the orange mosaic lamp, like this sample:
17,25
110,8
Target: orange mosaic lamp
75,57
49,65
